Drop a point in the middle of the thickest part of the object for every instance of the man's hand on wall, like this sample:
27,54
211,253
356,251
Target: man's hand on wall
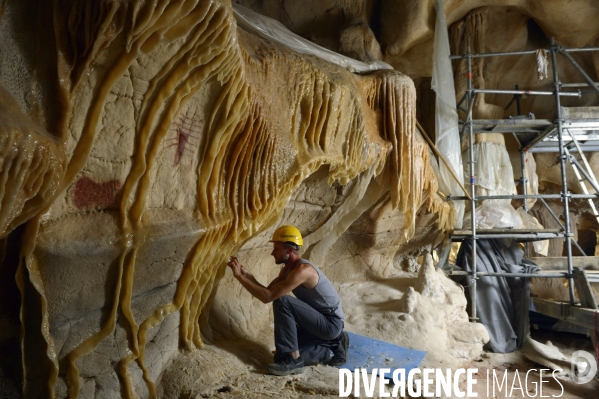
236,267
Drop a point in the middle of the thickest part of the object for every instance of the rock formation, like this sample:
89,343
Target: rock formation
145,142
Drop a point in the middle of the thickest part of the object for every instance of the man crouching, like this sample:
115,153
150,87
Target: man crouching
308,325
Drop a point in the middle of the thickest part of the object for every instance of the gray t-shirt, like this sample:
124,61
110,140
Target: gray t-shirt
323,297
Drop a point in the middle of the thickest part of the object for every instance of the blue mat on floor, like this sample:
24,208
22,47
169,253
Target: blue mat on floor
369,353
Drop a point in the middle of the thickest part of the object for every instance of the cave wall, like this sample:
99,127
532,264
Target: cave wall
180,147
156,139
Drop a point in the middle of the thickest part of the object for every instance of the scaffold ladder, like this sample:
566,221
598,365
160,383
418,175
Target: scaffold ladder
583,174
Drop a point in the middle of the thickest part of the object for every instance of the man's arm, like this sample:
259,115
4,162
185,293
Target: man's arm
282,275
276,289
250,276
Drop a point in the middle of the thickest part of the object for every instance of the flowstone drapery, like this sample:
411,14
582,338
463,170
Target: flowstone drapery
181,146
147,141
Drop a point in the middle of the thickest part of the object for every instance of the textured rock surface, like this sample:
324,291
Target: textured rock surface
188,140
33,163
181,148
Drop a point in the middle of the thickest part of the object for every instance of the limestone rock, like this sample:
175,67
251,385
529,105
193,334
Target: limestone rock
32,164
181,148
177,139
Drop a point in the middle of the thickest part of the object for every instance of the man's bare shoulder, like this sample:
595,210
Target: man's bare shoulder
306,274
305,267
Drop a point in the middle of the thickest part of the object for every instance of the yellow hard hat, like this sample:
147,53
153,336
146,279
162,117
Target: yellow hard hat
288,234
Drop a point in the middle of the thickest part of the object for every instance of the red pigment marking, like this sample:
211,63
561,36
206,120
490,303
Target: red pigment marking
184,132
88,194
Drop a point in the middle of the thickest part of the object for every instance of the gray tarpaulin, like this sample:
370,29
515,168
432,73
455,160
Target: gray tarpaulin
502,302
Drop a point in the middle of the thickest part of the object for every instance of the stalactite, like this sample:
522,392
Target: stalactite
407,172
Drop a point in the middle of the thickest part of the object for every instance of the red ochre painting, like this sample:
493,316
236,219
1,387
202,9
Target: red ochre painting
89,194
186,129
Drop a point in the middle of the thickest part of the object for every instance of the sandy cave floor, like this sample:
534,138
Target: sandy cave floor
237,368
228,368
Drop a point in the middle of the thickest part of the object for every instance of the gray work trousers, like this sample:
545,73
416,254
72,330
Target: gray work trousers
298,326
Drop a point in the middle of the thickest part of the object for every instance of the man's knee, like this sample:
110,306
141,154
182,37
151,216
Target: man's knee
282,307
281,303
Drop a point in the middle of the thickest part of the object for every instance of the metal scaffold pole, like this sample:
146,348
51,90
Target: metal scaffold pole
562,159
470,96
533,135
524,180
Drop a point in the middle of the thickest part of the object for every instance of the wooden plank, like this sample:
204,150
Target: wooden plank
563,311
561,263
507,231
580,112
520,235
583,288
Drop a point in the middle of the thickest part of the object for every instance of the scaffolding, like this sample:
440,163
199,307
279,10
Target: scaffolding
533,136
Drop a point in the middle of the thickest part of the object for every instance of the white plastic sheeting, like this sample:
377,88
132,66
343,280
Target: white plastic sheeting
532,187
531,222
275,31
446,116
495,214
532,184
494,176
493,169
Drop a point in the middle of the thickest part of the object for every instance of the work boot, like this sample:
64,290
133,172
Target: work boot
340,353
286,365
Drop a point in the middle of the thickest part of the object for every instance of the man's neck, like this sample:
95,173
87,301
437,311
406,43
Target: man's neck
293,261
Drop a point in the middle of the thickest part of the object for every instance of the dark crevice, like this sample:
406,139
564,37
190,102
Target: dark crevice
375,19
536,37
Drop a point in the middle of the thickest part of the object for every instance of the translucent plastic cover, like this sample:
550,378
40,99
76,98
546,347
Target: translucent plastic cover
495,214
532,184
493,169
275,31
531,222
446,116
494,176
